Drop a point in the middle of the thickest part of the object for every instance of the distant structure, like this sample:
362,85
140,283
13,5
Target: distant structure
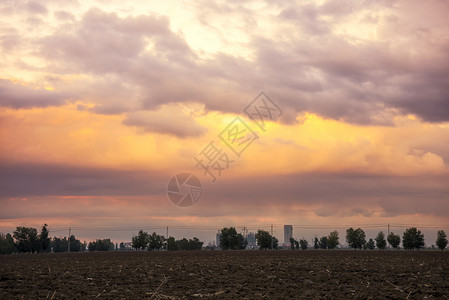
251,239
288,234
218,239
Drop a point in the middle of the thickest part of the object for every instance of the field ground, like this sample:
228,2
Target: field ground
225,274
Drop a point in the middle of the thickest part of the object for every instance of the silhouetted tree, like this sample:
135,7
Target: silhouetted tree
76,245
316,243
381,243
101,245
156,241
196,244
412,239
441,240
171,244
332,240
296,245
7,245
292,243
394,240
44,240
59,244
185,244
231,240
140,241
370,244
264,240
323,242
26,239
303,244
355,238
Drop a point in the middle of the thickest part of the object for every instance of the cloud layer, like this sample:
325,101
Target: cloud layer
106,102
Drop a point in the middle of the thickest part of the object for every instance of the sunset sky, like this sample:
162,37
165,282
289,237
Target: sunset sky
102,102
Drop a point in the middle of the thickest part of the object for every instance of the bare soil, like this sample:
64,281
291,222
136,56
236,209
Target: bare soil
309,274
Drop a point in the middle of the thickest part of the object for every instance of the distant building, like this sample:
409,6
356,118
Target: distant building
288,234
218,239
251,239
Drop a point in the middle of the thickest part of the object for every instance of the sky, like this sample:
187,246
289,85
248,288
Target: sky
103,102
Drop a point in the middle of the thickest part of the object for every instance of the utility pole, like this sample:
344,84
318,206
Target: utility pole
271,236
245,232
388,234
166,242
68,242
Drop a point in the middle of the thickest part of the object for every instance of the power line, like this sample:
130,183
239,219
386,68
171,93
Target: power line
250,227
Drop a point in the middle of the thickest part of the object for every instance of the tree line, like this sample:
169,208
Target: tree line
28,240
412,239
154,241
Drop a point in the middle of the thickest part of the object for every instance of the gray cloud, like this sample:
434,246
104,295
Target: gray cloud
18,96
35,7
21,180
328,194
311,68
172,122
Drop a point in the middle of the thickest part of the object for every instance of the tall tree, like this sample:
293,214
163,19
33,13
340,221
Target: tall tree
265,240
140,241
316,243
394,240
7,245
332,240
26,239
412,239
370,244
296,245
381,242
441,240
156,241
292,243
171,244
59,244
355,238
304,244
323,242
44,240
101,245
231,240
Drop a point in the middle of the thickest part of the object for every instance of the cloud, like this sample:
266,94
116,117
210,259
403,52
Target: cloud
323,193
362,63
33,179
35,7
171,120
19,96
